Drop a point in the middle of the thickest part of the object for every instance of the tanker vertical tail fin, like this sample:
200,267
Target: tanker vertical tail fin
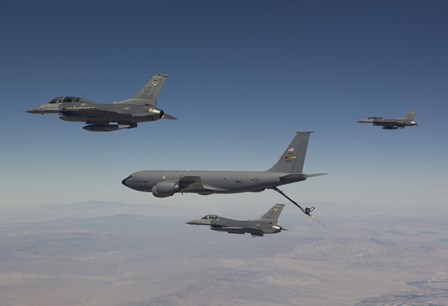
293,159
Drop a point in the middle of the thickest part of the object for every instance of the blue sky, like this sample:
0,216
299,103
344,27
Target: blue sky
243,77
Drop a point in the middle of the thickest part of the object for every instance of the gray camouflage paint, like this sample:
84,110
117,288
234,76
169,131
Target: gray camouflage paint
125,114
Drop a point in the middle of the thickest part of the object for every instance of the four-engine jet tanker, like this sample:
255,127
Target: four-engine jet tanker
267,224
392,124
126,114
287,170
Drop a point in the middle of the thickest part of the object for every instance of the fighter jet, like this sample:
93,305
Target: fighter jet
267,224
392,124
287,170
125,114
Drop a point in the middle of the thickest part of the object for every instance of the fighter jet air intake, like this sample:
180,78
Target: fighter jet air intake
392,124
288,169
267,224
126,114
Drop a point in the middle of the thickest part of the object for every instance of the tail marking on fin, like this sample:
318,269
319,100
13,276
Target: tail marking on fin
293,158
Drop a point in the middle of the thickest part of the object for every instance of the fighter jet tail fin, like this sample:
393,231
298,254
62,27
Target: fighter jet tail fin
293,159
148,94
273,213
411,114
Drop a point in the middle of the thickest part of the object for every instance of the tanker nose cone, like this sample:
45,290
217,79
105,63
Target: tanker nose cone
124,181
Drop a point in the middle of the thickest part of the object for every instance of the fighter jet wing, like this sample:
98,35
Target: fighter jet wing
134,114
135,111
85,111
239,230
390,124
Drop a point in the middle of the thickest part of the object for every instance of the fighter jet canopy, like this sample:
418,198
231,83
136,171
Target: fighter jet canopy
209,217
67,100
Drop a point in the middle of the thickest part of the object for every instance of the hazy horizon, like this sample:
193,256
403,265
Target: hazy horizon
121,254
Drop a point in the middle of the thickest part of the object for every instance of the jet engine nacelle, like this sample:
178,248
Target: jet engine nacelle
165,189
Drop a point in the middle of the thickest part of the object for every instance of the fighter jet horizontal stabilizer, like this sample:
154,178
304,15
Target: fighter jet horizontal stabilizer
169,117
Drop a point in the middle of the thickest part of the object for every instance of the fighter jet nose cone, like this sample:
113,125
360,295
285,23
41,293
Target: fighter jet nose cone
33,111
196,222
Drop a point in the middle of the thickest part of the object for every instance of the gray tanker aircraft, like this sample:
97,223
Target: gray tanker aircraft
287,170
126,113
267,224
392,124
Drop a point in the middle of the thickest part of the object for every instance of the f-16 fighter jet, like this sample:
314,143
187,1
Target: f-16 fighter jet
392,124
124,114
267,224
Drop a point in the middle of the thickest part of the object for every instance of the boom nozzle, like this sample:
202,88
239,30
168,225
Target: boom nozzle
306,210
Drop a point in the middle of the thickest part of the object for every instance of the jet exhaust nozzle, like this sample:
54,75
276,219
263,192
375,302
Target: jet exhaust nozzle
278,228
